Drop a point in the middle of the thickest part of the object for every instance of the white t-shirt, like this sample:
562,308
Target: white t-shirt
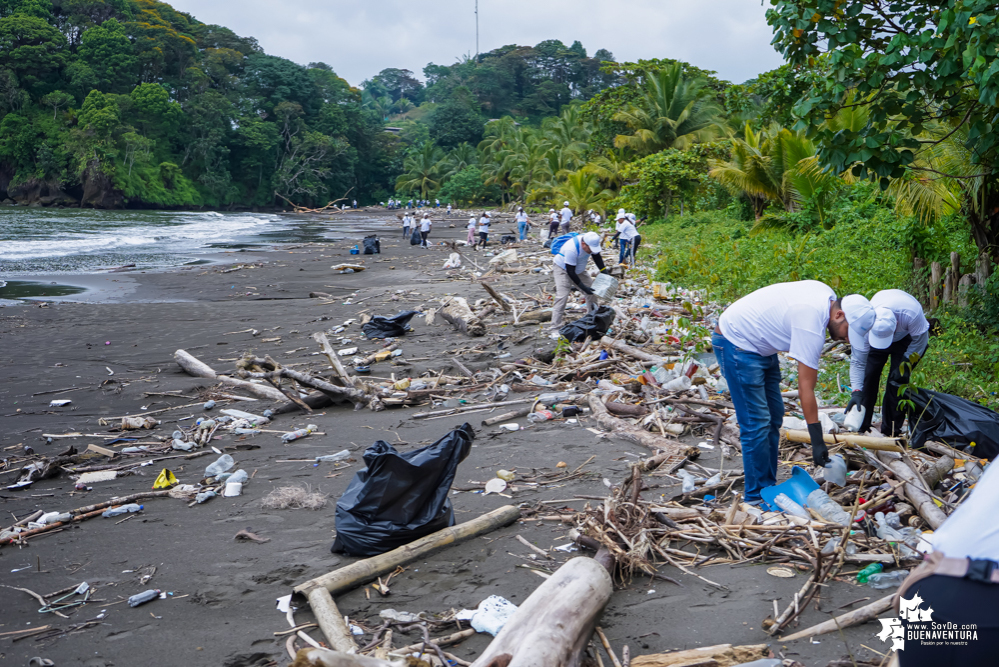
471,222
968,533
425,225
484,223
566,215
627,230
553,217
405,221
521,217
572,254
786,317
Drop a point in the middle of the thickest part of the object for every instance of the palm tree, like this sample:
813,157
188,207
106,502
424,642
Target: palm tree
461,156
583,192
422,170
607,167
673,112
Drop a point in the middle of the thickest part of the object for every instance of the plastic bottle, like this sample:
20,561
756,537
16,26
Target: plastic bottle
540,416
827,508
854,418
300,433
209,405
142,598
54,517
883,580
865,574
681,383
333,458
122,509
182,446
238,477
835,470
703,391
689,481
786,504
223,463
885,531
893,520
206,425
204,496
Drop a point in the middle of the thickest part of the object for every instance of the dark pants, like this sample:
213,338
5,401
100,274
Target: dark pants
891,417
423,238
483,238
405,232
962,602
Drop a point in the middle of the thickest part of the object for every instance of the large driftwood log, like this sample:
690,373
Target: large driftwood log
861,615
459,315
914,491
553,626
194,366
623,429
722,655
621,346
334,360
496,297
866,441
358,397
323,657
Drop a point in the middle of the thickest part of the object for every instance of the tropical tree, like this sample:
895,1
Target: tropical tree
583,192
672,112
422,170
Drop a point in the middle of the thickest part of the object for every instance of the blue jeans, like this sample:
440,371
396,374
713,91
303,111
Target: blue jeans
522,228
623,250
754,382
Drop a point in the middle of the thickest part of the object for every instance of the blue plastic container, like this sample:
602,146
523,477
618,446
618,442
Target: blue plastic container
796,488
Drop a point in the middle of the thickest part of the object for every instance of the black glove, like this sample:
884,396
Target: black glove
856,401
820,453
586,290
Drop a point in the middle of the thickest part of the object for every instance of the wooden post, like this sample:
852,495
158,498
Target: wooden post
948,286
963,287
936,273
983,269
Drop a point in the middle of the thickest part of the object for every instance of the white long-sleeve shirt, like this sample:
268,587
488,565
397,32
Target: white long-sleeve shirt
909,321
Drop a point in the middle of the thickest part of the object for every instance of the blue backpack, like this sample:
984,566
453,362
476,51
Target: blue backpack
559,241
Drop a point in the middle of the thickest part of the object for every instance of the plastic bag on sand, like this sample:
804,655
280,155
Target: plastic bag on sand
492,614
594,325
953,420
372,246
505,257
389,327
453,262
415,238
399,498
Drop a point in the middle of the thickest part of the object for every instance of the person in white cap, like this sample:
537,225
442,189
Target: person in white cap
786,317
628,237
566,214
523,222
570,273
484,223
552,223
471,232
425,226
405,225
900,333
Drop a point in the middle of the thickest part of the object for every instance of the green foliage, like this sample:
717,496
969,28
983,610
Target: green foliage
671,180
467,187
455,122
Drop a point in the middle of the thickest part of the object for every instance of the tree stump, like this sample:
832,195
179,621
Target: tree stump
963,287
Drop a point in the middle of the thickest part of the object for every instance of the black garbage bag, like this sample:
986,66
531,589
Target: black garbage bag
399,498
372,246
415,238
594,325
507,238
389,327
954,421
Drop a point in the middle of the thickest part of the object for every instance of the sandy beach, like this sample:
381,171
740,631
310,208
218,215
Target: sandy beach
220,604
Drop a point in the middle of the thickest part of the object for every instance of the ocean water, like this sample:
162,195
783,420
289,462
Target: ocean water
39,241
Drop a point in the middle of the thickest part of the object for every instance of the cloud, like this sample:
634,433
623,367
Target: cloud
358,39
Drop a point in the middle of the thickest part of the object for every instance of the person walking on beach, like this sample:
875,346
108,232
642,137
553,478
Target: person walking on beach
786,317
552,224
405,225
566,213
901,333
449,208
425,226
628,238
523,222
484,223
471,232
570,273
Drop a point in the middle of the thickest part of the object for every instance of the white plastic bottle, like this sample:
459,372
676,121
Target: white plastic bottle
854,418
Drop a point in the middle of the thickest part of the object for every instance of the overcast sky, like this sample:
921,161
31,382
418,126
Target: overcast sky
358,39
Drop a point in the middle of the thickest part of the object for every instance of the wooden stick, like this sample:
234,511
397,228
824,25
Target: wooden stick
622,429
865,441
468,408
359,572
917,494
507,416
440,641
620,346
334,360
607,646
540,552
194,366
331,621
861,615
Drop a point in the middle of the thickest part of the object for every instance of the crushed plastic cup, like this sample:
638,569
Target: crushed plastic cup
223,464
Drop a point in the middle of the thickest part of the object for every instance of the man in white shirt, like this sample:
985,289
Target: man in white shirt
449,209
570,273
484,223
566,214
900,333
405,225
425,226
628,237
786,317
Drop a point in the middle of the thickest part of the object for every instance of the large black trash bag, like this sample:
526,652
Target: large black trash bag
594,325
372,246
399,498
415,238
389,327
954,421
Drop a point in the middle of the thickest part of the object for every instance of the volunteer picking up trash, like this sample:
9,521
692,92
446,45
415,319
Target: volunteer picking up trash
570,273
566,214
900,333
786,317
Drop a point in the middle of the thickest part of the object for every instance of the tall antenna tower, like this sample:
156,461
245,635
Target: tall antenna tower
476,29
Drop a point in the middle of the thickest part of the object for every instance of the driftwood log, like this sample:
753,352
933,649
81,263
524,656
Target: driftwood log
722,655
865,441
194,366
861,615
459,315
553,626
496,297
914,491
625,430
324,657
358,397
621,346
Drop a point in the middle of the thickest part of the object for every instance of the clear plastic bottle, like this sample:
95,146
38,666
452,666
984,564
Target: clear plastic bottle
884,580
689,481
209,405
893,520
238,477
223,463
787,505
827,508
300,433
142,598
540,416
835,470
342,455
122,509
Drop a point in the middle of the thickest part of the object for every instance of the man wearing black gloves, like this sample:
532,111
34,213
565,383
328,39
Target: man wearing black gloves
901,333
786,317
570,273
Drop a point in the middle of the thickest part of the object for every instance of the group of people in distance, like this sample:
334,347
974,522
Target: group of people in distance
410,224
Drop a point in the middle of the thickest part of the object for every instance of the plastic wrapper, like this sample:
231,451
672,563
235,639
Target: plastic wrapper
400,497
389,327
594,325
955,421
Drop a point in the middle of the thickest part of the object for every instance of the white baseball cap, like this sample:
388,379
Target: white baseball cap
883,332
565,203
592,239
621,214
631,217
859,313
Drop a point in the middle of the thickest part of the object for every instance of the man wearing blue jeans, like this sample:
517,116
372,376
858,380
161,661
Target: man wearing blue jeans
786,317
